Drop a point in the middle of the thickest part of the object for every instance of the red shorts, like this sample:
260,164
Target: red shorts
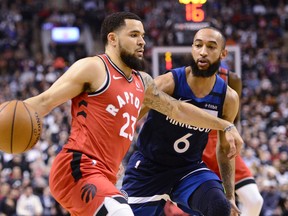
78,184
172,210
242,172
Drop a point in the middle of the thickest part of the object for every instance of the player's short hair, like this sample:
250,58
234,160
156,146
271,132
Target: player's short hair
217,30
115,21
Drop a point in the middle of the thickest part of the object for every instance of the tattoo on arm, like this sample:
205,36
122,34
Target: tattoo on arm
226,166
156,99
226,178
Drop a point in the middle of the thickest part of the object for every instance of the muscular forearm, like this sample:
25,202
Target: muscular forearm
227,171
197,117
40,104
179,111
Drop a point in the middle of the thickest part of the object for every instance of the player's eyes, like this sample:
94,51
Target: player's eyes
135,35
211,47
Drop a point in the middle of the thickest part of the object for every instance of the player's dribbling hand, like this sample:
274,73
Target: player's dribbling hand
235,141
234,209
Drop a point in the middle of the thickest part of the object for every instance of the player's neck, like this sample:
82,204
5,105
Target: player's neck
119,63
201,86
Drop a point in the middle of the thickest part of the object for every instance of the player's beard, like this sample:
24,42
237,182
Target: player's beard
212,69
131,60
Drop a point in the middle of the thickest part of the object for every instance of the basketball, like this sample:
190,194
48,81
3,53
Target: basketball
20,127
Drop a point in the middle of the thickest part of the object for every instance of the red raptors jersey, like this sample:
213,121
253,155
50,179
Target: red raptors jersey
104,122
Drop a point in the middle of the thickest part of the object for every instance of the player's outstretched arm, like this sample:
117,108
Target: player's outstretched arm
188,113
78,78
226,164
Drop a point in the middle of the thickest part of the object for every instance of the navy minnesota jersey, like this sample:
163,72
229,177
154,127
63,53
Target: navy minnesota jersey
169,142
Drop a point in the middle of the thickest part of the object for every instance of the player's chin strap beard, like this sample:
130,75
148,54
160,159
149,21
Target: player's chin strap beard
213,68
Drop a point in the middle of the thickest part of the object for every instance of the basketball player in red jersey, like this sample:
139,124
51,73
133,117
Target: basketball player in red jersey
248,195
107,92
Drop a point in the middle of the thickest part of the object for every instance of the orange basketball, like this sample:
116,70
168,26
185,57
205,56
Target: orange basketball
20,127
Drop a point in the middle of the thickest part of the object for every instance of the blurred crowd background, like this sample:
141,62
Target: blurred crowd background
30,62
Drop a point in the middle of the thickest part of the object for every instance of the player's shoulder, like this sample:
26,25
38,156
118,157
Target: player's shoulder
89,64
233,75
86,69
91,60
145,74
147,78
231,95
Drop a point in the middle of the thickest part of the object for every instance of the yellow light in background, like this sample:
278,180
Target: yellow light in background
192,1
168,60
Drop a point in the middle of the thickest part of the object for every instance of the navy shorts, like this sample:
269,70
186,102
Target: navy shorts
148,185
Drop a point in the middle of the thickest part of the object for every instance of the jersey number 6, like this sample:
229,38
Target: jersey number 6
184,140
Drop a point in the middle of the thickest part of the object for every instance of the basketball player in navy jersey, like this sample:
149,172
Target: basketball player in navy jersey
249,198
168,163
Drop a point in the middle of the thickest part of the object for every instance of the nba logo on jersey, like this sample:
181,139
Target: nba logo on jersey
211,106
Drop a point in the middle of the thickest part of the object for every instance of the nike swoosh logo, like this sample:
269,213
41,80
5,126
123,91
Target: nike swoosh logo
185,100
117,77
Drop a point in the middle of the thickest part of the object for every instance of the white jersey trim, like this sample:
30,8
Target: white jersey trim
136,200
194,172
105,85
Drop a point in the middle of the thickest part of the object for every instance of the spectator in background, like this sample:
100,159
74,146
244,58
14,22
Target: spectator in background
271,196
28,203
4,190
48,202
16,177
8,203
284,205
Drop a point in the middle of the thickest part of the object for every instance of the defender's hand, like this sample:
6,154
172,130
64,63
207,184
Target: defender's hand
234,139
234,209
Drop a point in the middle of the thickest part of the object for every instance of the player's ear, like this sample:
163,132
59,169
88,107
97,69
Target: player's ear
111,38
223,54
